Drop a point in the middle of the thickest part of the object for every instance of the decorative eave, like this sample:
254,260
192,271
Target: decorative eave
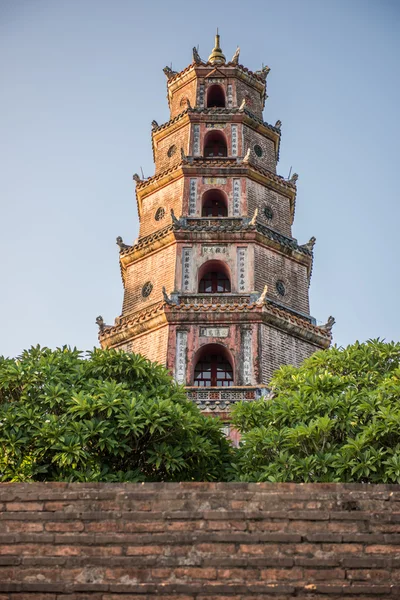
196,115
160,314
133,325
227,166
194,228
266,313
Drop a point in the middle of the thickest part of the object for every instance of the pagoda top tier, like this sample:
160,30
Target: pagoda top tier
216,83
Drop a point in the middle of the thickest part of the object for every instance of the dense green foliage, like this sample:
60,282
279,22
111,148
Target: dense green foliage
110,416
336,418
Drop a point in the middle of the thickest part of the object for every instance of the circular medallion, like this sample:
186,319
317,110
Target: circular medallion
258,150
171,151
160,213
268,213
280,287
147,289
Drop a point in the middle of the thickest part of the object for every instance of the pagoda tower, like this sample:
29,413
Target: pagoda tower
215,286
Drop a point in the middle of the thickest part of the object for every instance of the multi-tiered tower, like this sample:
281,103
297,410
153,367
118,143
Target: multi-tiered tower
216,287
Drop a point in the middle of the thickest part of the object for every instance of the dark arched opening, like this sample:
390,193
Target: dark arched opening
214,278
213,367
214,204
215,144
215,96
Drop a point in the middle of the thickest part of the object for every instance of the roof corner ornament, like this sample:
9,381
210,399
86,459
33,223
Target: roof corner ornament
310,244
235,57
167,299
175,220
169,72
253,219
154,125
294,178
243,104
196,56
217,57
136,178
278,124
264,72
262,297
121,244
101,324
328,325
246,157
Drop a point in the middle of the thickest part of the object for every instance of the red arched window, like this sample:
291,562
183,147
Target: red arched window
213,370
214,204
215,96
215,145
214,282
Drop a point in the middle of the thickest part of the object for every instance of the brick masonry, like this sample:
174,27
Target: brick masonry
198,541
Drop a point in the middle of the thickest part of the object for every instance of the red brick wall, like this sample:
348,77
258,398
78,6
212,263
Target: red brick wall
271,266
268,158
199,541
260,197
153,345
187,90
178,138
253,98
279,348
159,269
166,197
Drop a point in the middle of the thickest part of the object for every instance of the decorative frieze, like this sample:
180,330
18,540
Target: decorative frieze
186,260
215,125
181,352
236,197
241,269
234,138
215,332
196,140
229,96
207,250
247,358
193,197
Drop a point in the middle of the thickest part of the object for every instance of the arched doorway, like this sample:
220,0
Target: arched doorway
215,96
214,278
215,144
214,204
213,367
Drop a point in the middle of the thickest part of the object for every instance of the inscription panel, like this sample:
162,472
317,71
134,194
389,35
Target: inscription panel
200,96
241,264
234,129
205,250
214,332
236,197
186,260
246,339
196,140
229,96
193,197
181,350
214,180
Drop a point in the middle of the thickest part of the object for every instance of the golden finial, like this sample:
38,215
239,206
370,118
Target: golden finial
216,57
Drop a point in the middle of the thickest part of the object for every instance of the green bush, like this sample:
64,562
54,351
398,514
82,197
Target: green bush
336,418
111,416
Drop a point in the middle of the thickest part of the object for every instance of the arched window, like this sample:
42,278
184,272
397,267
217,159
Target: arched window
214,204
213,368
215,144
215,96
214,278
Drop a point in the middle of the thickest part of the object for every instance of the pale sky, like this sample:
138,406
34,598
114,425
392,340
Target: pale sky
81,81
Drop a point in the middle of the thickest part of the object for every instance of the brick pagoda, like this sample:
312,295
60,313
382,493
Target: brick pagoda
216,287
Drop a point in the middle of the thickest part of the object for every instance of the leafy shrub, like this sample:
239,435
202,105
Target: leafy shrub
335,418
111,416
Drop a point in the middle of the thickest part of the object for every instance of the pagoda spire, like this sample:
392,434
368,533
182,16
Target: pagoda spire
217,57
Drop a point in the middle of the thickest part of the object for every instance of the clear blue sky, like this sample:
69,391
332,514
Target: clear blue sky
81,82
